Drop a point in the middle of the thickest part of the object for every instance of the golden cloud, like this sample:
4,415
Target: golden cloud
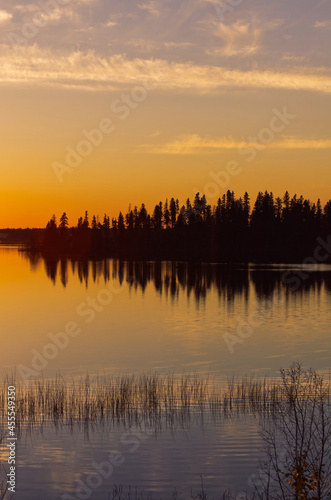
87,70
195,144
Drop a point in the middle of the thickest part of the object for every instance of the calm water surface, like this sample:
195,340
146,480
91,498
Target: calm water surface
156,317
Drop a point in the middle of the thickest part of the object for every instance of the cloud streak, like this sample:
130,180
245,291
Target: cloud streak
5,16
151,8
323,24
195,144
241,38
87,70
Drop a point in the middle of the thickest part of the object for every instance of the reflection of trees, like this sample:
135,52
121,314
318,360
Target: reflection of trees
266,283
51,269
327,282
195,280
64,272
34,260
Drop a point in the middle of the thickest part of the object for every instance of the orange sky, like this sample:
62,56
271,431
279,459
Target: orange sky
178,89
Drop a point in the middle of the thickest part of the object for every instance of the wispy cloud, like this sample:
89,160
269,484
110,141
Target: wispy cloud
28,7
292,57
155,134
111,24
323,24
171,45
88,70
192,144
195,144
5,16
145,45
293,143
54,16
240,38
151,7
56,13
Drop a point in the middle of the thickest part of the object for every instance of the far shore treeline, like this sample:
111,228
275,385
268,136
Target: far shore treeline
275,229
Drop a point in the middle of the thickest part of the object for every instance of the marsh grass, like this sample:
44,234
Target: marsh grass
151,399
294,418
134,493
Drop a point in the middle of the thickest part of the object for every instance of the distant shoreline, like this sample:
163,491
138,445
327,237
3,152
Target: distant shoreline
148,247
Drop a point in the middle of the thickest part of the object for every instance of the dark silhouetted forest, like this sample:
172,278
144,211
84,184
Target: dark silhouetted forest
272,229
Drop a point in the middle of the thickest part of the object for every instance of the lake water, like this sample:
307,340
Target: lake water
165,317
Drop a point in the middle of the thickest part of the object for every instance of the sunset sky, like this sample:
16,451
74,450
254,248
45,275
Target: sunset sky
178,88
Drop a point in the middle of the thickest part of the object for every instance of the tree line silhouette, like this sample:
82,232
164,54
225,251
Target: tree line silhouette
275,229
